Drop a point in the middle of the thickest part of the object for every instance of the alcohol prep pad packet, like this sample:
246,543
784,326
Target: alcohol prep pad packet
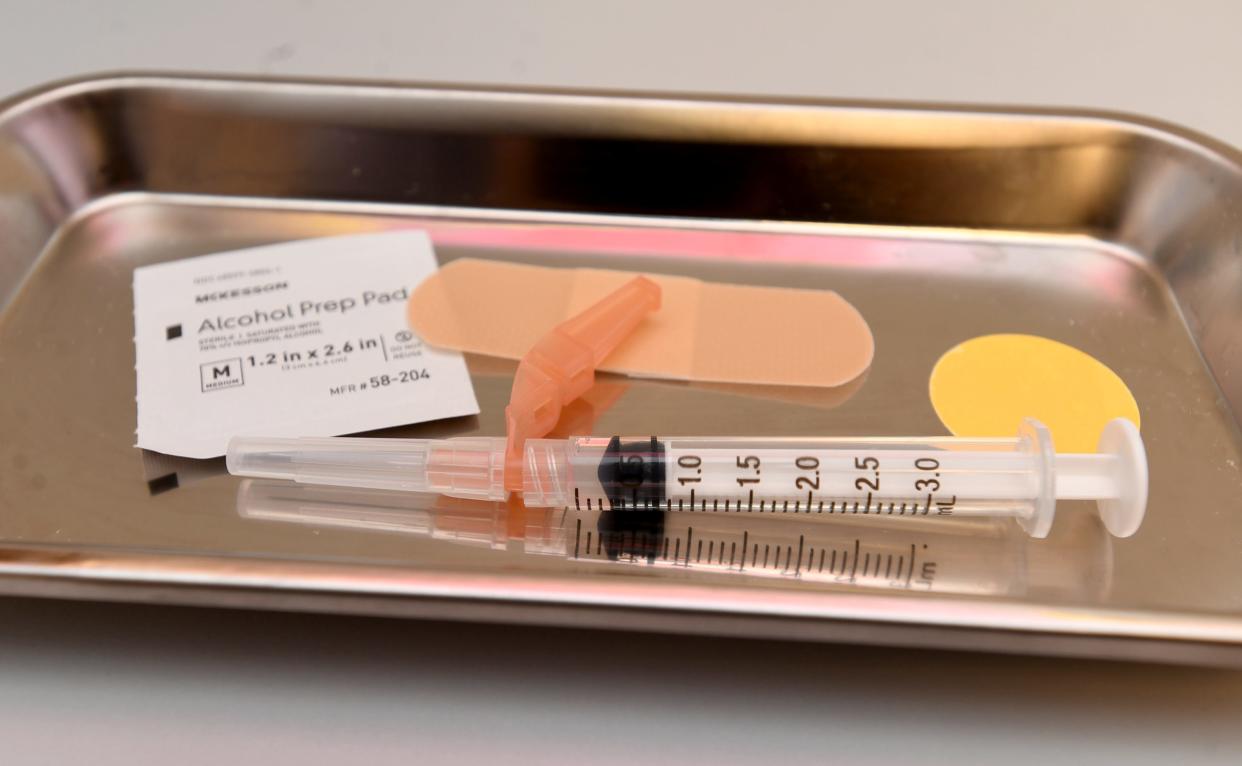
305,338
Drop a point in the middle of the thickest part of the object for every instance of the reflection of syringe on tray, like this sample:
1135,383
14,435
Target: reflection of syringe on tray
934,479
945,556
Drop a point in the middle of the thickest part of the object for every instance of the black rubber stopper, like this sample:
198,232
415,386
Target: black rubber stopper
632,474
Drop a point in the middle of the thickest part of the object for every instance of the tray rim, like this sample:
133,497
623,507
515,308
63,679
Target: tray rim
65,572
1159,128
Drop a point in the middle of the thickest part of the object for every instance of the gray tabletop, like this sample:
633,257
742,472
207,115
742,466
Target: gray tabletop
128,684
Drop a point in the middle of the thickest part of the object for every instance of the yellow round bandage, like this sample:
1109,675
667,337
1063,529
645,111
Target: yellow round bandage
987,385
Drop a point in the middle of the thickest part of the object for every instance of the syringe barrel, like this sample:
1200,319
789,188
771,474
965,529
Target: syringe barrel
938,476
469,467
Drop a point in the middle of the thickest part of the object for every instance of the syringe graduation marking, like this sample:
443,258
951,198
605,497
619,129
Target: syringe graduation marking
857,507
635,476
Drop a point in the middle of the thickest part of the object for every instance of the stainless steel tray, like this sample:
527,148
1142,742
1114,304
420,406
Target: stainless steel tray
1116,235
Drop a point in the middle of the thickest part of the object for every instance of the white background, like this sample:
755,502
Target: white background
121,685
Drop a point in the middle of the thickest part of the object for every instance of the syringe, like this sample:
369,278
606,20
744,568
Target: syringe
931,478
